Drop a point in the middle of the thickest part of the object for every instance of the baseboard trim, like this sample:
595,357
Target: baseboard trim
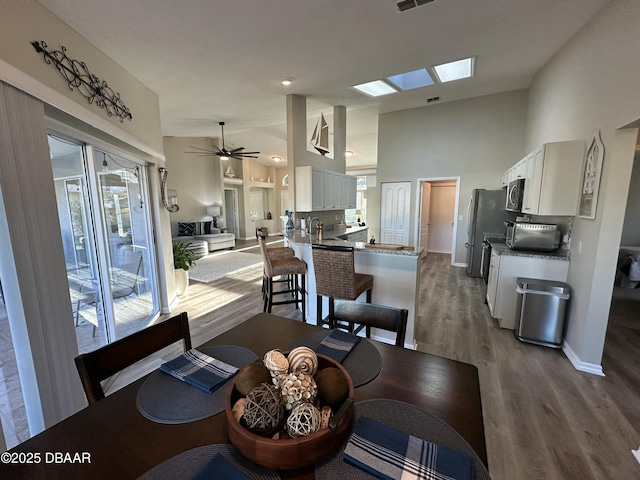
172,305
460,264
593,368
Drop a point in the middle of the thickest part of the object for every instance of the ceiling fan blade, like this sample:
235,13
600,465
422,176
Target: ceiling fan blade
247,153
202,149
249,156
236,150
204,153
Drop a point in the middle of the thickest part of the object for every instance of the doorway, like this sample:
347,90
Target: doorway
436,215
231,210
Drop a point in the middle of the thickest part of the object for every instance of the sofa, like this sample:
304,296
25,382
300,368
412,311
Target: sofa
198,234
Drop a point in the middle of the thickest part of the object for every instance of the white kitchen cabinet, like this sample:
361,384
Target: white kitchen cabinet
318,189
553,179
309,189
360,236
502,297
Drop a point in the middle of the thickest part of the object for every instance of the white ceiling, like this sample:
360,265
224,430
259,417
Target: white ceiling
214,60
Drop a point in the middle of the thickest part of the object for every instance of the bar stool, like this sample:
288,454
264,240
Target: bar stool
336,278
275,252
274,267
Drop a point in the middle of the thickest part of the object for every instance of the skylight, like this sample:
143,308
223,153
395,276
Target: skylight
375,88
448,72
410,80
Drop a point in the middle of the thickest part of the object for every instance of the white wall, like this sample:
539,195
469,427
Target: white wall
196,179
592,84
476,139
24,21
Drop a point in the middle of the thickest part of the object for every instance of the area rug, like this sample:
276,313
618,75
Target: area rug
213,267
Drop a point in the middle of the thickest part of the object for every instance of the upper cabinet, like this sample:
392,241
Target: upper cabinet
318,189
552,178
552,181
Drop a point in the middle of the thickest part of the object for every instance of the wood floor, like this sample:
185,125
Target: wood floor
543,419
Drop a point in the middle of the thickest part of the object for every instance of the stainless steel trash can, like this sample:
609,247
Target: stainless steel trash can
540,314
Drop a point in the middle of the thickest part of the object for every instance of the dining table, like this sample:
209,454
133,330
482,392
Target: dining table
112,439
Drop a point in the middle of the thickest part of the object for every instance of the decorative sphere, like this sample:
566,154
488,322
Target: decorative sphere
276,362
250,376
303,360
333,387
264,410
304,420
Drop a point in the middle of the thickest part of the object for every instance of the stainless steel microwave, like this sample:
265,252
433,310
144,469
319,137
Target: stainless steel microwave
515,192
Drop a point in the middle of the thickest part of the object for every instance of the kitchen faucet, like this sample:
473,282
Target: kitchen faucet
311,222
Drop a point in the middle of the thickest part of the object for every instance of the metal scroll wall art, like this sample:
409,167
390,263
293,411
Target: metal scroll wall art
173,207
79,78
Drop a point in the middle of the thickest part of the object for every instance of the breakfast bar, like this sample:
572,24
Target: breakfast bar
395,269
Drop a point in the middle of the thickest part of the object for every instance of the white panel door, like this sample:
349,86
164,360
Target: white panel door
394,212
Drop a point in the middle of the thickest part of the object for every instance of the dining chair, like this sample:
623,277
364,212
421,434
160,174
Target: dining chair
336,278
96,366
377,316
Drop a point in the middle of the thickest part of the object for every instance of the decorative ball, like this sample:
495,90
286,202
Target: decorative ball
264,410
303,360
250,376
276,362
333,387
303,420
297,388
325,416
238,409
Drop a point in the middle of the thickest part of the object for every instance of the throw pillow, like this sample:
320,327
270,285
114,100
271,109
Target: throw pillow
186,229
207,228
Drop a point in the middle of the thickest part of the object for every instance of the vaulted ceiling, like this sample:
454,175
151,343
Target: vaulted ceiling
215,60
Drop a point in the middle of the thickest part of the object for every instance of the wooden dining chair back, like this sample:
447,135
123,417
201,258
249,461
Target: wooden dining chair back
96,366
374,316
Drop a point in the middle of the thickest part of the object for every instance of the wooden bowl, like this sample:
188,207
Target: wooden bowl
290,453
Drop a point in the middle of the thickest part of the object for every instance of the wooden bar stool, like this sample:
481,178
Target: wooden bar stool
284,266
275,252
336,278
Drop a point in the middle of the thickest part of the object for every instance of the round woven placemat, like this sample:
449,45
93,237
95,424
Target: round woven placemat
186,464
363,362
408,419
165,399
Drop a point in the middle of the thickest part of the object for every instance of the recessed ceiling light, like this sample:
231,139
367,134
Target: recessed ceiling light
348,153
286,81
276,159
448,72
410,80
376,88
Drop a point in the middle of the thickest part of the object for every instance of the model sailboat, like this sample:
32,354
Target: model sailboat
320,137
230,173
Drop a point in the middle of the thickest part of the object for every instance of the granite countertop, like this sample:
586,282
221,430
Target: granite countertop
560,254
331,237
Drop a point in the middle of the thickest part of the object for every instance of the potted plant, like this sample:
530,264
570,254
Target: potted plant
183,260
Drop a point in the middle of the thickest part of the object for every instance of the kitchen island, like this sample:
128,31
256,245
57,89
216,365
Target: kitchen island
395,270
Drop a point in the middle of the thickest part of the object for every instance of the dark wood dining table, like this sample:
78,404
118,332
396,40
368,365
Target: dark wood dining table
120,443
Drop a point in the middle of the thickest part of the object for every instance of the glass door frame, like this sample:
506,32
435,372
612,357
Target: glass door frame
95,215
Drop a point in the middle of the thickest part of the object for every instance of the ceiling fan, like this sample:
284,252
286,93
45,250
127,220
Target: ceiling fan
223,153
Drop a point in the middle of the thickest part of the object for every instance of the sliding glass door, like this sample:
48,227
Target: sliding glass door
107,239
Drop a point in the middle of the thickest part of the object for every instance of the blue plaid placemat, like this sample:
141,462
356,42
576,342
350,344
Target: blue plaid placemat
391,454
219,469
199,370
337,345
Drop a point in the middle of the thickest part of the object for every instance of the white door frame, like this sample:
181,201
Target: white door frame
236,211
418,214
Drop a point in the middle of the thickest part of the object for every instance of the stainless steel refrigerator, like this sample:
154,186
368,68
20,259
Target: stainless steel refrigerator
486,214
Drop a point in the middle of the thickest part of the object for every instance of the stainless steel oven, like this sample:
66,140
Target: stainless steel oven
486,260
